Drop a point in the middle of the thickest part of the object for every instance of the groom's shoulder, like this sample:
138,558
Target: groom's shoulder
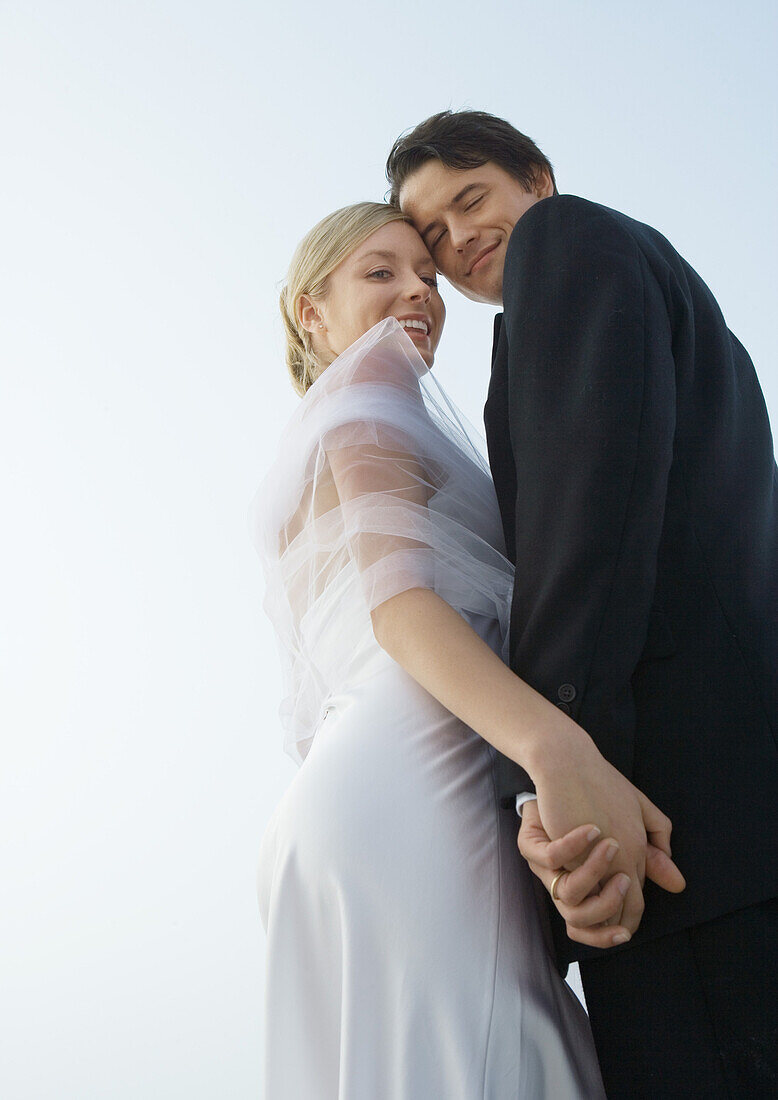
560,223
573,208
567,214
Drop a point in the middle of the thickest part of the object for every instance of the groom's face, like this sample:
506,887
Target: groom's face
465,217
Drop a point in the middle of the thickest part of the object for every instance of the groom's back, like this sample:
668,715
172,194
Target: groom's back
723,479
717,585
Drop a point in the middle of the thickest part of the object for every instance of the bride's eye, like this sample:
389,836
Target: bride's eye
430,280
379,272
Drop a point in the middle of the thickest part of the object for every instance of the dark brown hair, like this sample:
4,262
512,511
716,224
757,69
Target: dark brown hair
465,139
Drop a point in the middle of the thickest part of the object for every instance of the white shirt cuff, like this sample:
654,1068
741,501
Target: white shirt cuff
525,796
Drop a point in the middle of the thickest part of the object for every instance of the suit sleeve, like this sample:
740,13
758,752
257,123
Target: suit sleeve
591,391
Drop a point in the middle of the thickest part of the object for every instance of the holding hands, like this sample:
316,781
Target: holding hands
589,898
595,872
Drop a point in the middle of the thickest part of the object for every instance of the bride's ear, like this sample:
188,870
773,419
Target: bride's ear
309,315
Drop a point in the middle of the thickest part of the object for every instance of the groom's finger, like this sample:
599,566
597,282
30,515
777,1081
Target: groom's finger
537,847
579,898
603,908
612,936
583,881
632,913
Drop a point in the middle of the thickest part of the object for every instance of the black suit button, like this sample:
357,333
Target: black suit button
564,707
567,693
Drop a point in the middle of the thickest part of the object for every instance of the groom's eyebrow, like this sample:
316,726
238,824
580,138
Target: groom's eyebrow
457,198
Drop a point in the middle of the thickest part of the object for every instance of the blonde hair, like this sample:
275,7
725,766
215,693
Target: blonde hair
315,258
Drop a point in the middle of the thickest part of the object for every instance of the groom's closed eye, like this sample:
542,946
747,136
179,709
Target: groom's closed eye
436,240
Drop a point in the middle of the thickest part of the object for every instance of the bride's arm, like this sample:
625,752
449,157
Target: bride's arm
574,782
446,656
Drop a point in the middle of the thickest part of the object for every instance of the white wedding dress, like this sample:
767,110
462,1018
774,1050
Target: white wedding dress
406,957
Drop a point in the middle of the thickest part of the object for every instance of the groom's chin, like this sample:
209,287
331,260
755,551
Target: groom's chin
487,294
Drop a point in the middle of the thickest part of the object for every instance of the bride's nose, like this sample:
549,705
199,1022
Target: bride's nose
418,290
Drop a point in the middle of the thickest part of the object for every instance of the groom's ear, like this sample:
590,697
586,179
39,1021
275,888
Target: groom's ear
309,315
544,185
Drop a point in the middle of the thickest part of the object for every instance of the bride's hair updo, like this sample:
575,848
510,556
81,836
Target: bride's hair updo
315,258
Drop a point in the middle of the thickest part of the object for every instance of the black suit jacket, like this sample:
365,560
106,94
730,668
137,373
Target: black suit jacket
634,466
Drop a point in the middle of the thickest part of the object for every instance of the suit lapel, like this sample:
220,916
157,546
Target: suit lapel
498,436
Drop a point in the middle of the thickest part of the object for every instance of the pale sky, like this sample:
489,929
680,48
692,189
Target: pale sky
159,163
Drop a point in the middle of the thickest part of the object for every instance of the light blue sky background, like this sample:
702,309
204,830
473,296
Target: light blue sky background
159,162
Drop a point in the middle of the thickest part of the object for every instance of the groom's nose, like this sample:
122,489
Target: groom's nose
461,235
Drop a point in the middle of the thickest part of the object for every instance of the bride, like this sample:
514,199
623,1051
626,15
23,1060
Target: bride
406,955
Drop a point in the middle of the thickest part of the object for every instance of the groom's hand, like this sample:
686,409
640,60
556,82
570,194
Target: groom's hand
589,898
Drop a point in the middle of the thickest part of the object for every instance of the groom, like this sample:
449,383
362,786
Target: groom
634,467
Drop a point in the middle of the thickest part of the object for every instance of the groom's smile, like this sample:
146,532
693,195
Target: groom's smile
466,217
483,257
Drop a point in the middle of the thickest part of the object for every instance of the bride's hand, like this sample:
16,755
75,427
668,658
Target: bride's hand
575,784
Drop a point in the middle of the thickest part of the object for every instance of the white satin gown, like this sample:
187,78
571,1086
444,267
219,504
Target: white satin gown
406,955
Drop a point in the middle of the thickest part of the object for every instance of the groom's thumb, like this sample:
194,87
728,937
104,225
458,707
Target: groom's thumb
661,870
658,826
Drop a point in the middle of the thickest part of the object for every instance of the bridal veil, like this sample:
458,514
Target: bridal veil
379,486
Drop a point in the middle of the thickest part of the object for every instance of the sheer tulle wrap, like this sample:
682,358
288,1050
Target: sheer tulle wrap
379,486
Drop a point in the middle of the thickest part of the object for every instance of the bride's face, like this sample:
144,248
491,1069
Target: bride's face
391,274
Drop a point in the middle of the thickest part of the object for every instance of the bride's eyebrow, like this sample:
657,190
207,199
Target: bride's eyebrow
383,253
386,254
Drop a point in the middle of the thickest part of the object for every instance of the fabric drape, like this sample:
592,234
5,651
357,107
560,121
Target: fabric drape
379,486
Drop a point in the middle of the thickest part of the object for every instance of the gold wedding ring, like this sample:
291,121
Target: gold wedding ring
555,883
